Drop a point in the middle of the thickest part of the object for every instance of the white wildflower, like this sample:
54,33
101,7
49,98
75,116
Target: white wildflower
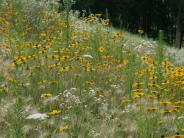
92,92
180,117
87,56
73,89
115,86
38,116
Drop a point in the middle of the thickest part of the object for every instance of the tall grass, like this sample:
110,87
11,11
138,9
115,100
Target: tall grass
69,76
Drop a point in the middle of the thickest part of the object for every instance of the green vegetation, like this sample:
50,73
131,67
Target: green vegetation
62,75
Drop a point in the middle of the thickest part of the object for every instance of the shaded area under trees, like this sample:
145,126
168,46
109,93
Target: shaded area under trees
149,15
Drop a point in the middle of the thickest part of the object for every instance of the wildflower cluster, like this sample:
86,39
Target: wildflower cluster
80,78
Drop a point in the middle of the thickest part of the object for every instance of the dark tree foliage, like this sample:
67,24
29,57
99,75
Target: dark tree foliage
149,15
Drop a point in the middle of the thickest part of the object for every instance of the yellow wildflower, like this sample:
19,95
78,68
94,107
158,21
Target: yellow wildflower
151,108
165,82
101,49
165,102
90,82
141,31
105,22
139,73
164,112
125,61
11,79
178,136
63,129
98,14
43,34
54,112
137,95
46,95
179,102
65,69
37,46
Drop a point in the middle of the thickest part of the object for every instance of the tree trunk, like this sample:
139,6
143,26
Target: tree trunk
178,37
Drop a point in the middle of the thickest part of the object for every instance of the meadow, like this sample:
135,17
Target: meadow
63,75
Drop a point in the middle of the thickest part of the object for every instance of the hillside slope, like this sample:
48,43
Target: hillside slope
65,76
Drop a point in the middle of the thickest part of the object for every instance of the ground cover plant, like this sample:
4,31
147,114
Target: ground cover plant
62,75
